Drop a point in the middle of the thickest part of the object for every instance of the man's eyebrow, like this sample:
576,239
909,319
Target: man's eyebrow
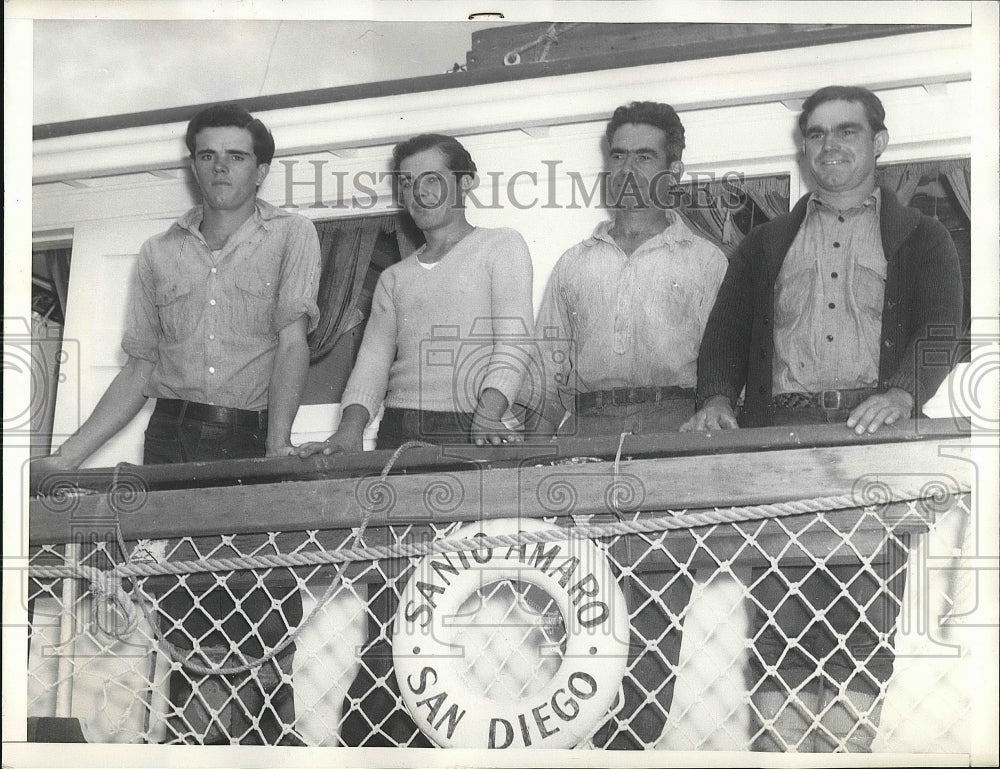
227,151
637,151
838,127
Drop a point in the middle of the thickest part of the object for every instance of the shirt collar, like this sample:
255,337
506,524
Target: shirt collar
874,199
676,231
262,215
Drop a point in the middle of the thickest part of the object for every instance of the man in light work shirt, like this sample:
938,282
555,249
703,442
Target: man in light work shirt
216,332
619,328
828,314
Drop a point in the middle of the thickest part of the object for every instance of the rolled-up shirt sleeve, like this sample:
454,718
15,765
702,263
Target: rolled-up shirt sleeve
142,325
300,269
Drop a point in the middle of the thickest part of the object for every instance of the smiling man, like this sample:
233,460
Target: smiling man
216,333
441,351
828,314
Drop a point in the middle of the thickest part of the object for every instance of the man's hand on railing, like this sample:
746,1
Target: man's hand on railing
349,436
716,414
42,467
488,428
338,443
884,408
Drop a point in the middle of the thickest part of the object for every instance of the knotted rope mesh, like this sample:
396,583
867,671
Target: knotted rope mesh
776,627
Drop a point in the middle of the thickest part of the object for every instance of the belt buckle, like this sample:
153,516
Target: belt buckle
619,401
825,399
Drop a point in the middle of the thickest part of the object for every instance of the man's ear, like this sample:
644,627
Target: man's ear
467,182
262,171
881,141
676,170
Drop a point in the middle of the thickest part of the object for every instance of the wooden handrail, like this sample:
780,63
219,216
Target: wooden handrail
439,485
464,456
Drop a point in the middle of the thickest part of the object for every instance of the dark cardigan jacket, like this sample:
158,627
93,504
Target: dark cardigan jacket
921,316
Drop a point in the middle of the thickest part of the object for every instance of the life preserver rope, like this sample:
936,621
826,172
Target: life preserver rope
577,578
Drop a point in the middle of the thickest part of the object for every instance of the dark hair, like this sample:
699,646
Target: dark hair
874,110
224,115
457,158
656,114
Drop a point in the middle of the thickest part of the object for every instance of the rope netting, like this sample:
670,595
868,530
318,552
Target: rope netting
802,626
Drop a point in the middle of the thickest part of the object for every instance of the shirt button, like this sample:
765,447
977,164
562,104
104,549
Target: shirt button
832,306
211,337
840,218
836,244
211,369
214,270
829,337
833,275
211,302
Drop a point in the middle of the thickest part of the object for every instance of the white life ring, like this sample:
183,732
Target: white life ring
577,577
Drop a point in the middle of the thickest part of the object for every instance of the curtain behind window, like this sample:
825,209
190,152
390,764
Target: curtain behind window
713,208
348,248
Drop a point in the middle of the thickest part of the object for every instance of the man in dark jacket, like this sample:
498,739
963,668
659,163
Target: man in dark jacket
830,314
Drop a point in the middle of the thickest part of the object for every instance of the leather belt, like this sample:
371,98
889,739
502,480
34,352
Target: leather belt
206,413
623,396
830,400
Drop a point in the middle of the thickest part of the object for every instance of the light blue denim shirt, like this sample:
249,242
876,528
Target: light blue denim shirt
209,321
828,301
611,320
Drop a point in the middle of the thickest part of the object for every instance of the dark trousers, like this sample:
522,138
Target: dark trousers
657,597
375,719
823,651
252,617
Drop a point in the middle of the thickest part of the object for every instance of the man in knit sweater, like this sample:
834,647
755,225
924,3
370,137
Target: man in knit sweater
440,352
829,314
619,326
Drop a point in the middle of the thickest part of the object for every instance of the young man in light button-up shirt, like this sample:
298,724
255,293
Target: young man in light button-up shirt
216,332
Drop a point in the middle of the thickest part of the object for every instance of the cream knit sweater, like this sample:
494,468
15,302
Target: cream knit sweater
438,337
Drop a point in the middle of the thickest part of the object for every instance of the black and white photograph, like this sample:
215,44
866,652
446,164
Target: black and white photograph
533,384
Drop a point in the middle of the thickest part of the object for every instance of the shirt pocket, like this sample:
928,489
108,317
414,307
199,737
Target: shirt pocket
254,304
173,307
676,300
869,292
793,295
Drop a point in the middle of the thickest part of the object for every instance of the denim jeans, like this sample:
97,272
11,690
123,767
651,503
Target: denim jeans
247,614
657,599
377,722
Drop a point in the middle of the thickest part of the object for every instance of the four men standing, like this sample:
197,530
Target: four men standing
818,319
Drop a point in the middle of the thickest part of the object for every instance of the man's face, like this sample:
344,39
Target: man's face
226,168
840,147
429,190
640,172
